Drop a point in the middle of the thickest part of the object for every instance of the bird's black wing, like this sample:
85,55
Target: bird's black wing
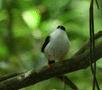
45,43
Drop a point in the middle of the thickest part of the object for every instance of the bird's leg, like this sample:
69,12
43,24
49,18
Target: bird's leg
50,63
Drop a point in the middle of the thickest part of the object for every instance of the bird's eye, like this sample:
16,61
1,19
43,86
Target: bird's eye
62,27
58,27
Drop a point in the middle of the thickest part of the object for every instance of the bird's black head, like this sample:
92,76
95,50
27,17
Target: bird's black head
61,27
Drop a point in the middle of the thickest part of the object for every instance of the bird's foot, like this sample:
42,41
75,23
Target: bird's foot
50,64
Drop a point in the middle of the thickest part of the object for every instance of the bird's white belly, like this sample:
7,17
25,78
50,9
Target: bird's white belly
57,48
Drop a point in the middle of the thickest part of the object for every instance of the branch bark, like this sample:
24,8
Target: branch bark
79,61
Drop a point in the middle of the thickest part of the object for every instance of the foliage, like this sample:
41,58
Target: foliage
24,24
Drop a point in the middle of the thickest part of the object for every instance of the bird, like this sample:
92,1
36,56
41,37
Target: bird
56,45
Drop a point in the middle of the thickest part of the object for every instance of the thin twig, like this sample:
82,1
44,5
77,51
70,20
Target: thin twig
97,4
92,44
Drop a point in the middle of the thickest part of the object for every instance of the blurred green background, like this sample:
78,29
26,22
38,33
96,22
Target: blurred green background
24,24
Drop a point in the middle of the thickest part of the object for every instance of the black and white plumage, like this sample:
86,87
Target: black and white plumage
56,45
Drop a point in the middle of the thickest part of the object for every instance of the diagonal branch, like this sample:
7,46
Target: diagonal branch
77,62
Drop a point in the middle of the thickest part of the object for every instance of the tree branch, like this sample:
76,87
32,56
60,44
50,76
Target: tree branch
77,62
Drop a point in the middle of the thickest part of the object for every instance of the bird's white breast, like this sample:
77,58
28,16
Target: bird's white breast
58,46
